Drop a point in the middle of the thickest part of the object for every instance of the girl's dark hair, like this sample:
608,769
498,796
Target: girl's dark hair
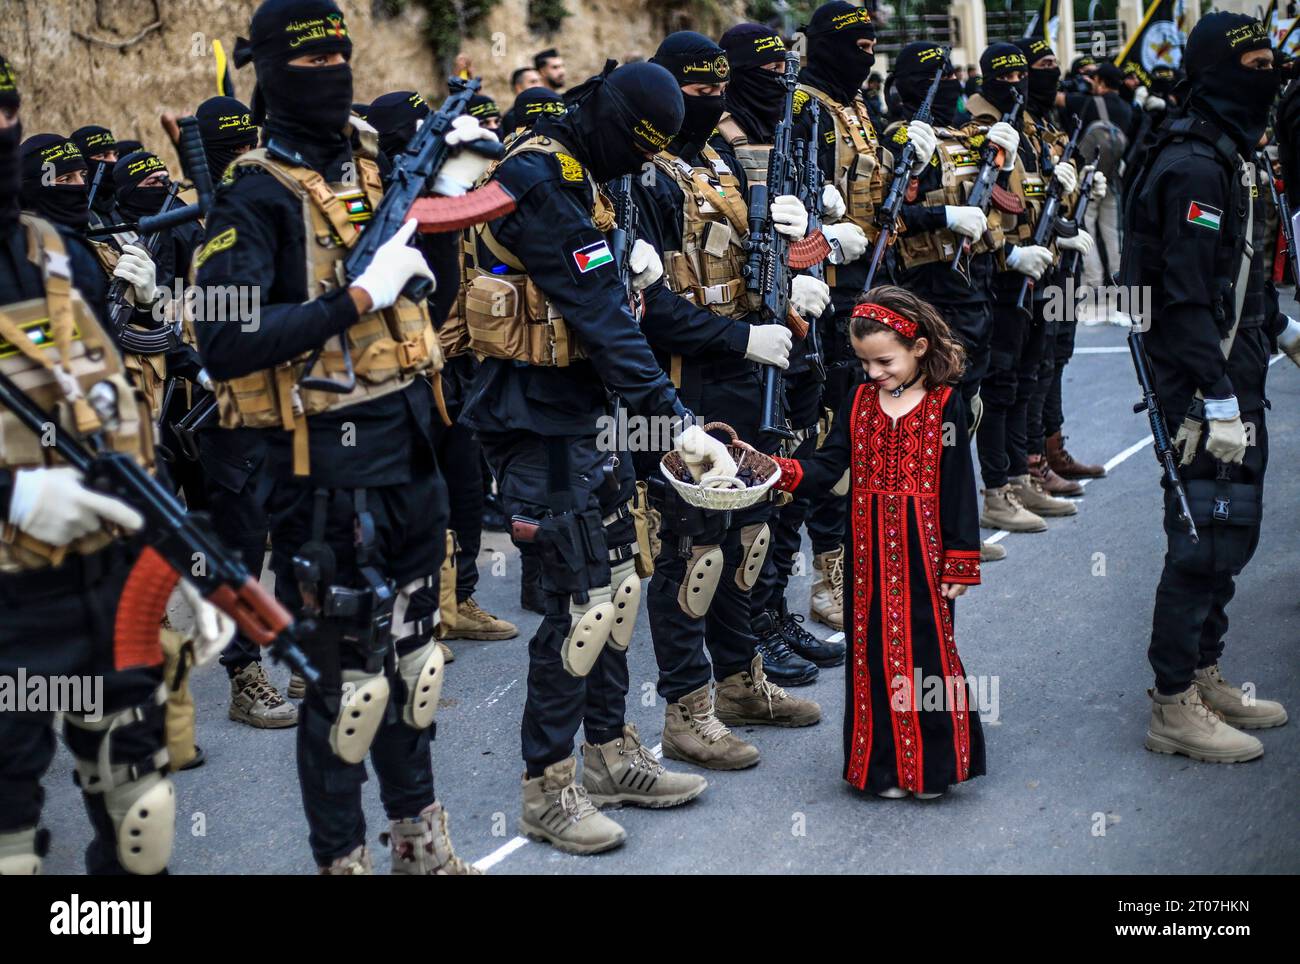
944,357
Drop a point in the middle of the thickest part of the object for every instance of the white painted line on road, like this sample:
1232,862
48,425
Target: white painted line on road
496,694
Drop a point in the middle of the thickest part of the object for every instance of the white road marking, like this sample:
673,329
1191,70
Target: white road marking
496,694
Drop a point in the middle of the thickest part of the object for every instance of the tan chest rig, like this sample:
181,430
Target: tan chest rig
708,269
506,315
752,157
55,349
389,347
859,171
1032,186
148,372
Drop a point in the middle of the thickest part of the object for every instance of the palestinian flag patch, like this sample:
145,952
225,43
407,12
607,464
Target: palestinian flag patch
1204,215
593,256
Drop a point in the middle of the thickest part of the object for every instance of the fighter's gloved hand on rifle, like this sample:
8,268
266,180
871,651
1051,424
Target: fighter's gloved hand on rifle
705,456
922,135
789,216
394,264
463,168
833,206
1289,340
1098,183
1154,103
54,506
769,345
1008,138
808,296
967,221
1081,242
848,242
1066,176
137,269
647,267
198,621
1029,259
1227,435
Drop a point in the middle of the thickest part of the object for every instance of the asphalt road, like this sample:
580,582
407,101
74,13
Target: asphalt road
1061,627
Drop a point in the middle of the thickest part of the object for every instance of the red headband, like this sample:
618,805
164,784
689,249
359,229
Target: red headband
893,319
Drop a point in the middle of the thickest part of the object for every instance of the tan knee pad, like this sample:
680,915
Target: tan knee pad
361,710
144,816
754,543
590,624
703,573
421,671
18,856
626,582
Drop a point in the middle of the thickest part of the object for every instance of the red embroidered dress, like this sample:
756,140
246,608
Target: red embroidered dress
909,720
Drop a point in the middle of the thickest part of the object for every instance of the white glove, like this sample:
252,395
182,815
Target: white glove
1066,176
465,167
789,216
704,455
53,505
1289,340
1227,440
848,242
769,345
1030,259
1141,95
198,621
394,264
1008,138
137,269
1099,186
922,135
833,207
808,296
1081,242
646,265
1154,103
967,221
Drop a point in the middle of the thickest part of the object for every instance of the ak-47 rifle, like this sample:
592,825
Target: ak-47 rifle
622,238
1050,225
1070,263
887,213
1283,212
810,193
176,543
94,190
766,269
1161,442
986,181
120,309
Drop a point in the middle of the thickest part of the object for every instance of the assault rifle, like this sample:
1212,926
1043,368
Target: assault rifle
1161,442
810,193
1050,225
986,185
1070,263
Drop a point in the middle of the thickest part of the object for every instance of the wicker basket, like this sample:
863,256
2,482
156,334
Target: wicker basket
725,493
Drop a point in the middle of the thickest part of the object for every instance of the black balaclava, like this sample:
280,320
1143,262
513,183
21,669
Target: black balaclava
618,117
1234,97
693,58
836,64
483,107
227,128
1163,80
754,95
133,201
394,115
914,69
305,106
45,157
92,139
1001,58
535,103
11,170
1043,82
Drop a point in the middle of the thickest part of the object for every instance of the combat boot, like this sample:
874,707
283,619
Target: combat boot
826,597
469,621
992,552
421,846
447,655
1182,723
558,811
1050,482
1233,705
1066,465
821,652
694,734
1036,500
297,687
750,698
1002,510
355,863
254,701
624,771
781,662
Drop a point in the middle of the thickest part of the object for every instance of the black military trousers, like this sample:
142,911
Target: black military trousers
1029,372
1060,347
972,325
599,483
410,523
461,460
1004,403
60,624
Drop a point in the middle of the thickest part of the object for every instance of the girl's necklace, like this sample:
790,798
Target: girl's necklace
898,392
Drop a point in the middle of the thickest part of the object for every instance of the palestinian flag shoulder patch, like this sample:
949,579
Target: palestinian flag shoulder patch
593,256
1204,215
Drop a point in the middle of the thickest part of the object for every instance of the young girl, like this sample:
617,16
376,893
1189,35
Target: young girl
913,544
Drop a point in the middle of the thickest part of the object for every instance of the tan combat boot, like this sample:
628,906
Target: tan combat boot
356,863
421,846
1183,724
992,552
1035,498
447,655
1233,705
253,700
693,734
624,771
826,597
469,621
749,697
1002,510
557,811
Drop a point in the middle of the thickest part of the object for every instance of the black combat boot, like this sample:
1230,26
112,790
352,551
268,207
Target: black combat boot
782,664
805,644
